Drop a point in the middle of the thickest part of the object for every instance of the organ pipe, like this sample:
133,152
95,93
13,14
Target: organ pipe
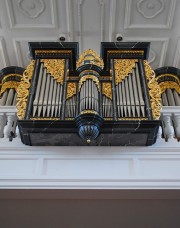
130,99
91,95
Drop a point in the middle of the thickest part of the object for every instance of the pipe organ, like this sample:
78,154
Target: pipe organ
169,82
110,100
10,78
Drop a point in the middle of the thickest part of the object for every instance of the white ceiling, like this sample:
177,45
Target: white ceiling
89,22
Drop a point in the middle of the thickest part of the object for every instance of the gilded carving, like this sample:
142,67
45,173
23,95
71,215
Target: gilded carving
91,57
5,78
84,78
9,85
44,118
169,85
55,67
168,75
107,89
52,52
128,52
154,91
71,89
122,68
69,118
89,112
23,90
137,119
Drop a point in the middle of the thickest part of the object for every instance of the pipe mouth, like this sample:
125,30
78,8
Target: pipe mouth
88,126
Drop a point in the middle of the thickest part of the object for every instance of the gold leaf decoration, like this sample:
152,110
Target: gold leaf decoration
55,67
87,111
107,89
122,68
9,85
154,91
23,90
45,118
91,57
169,85
71,89
86,77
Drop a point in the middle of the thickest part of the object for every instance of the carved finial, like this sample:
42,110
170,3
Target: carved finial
90,57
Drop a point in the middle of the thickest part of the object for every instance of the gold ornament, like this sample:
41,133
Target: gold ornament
23,90
55,67
122,68
88,112
9,85
169,85
154,91
86,77
45,118
136,119
71,89
107,89
168,75
52,52
91,57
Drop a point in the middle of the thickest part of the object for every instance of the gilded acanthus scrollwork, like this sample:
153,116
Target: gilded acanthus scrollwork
154,91
122,68
86,77
91,57
9,83
55,67
168,81
169,85
107,89
23,90
71,89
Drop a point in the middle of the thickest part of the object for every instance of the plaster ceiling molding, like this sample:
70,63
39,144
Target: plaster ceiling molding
149,14
176,62
28,57
82,20
4,59
21,48
101,2
112,17
152,56
31,8
69,18
32,14
150,9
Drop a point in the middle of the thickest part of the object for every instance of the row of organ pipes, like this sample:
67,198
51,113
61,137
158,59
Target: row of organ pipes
8,98
129,97
107,107
89,96
130,100
48,96
170,98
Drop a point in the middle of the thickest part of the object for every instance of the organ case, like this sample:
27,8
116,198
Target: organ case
110,100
